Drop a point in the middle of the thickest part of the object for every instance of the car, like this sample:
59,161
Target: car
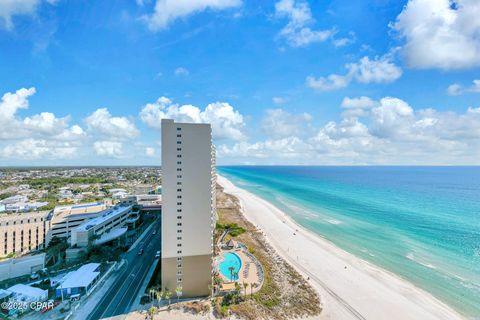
140,252
157,255
154,232
34,276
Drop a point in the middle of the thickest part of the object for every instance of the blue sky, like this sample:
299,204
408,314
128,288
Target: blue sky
282,82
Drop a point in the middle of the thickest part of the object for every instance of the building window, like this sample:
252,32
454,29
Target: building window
179,135
179,183
179,197
179,217
179,244
179,169
179,129
179,149
179,238
179,203
179,210
179,252
179,272
179,155
179,176
179,224
179,258
179,231
179,142
179,162
179,265
179,190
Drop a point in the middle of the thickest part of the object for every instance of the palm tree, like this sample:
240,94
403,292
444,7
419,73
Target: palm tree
245,286
159,296
178,291
253,285
231,272
151,312
168,296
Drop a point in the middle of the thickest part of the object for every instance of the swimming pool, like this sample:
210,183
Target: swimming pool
230,259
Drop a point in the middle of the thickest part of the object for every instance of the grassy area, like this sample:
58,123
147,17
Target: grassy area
285,294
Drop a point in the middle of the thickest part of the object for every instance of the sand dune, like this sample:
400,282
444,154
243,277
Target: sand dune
350,288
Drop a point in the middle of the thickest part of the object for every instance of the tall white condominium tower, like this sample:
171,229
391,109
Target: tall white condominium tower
188,207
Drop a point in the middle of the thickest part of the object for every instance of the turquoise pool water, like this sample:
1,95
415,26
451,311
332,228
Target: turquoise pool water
230,260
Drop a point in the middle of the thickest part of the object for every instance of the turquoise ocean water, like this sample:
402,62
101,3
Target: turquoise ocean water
422,223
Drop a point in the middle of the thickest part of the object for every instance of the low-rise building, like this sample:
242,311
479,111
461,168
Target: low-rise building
80,281
108,226
22,293
14,199
67,218
21,233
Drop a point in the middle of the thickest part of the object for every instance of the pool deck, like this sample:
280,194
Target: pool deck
249,272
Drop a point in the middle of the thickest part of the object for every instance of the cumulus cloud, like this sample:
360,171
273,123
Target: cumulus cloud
43,125
167,11
366,70
181,72
387,131
112,149
440,34
297,32
35,149
279,123
457,89
102,123
227,123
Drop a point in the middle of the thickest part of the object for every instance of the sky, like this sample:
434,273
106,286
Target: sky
339,82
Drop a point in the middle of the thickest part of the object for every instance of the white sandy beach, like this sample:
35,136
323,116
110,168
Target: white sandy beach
349,287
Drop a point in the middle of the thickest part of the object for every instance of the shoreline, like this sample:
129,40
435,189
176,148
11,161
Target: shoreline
349,287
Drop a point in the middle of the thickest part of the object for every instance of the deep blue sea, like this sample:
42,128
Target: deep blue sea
422,223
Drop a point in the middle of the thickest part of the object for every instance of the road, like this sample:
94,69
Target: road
122,293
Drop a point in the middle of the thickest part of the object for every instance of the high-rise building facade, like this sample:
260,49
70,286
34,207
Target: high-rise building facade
188,207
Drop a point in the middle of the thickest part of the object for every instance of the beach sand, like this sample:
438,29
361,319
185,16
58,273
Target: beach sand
349,287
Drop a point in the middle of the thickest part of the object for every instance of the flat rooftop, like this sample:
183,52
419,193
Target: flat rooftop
81,277
104,216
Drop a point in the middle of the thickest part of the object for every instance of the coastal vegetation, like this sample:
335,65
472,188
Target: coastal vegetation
285,294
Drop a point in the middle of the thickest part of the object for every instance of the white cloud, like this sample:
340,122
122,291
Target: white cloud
457,89
149,151
43,125
296,32
329,83
342,42
440,34
102,123
378,70
279,123
11,8
112,149
33,149
181,72
388,131
360,102
227,123
279,100
167,11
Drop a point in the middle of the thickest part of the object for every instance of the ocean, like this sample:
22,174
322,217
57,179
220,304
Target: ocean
421,223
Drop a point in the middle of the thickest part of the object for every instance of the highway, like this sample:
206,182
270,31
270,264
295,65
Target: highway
120,296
